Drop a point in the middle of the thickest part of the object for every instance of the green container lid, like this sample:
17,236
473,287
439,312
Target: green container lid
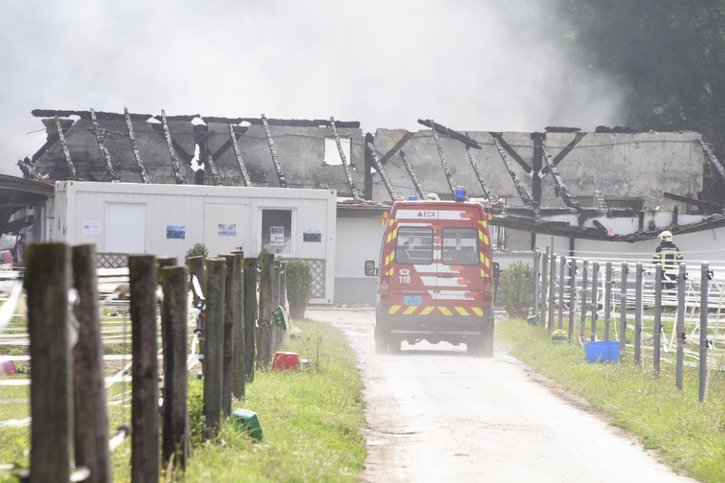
249,421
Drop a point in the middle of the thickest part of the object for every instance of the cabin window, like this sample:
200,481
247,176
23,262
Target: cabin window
460,246
414,245
277,231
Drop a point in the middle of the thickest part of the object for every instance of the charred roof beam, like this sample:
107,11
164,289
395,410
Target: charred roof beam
479,176
706,206
105,155
444,163
27,168
449,133
381,172
212,170
564,152
273,152
134,147
468,143
497,136
520,188
569,200
64,146
398,146
175,165
240,160
343,161
413,177
714,162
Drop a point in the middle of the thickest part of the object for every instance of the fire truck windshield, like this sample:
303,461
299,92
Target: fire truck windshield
414,245
460,246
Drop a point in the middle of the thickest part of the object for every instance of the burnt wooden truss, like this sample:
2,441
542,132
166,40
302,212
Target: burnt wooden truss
532,216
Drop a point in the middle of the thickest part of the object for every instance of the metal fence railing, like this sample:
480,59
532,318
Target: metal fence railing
673,313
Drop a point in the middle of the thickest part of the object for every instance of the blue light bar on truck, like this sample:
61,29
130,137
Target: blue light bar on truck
459,194
412,198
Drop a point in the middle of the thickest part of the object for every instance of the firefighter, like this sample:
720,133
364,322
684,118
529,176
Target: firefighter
669,256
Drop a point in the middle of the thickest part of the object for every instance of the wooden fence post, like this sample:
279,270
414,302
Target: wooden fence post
176,419
238,373
265,316
230,315
273,304
196,268
144,369
161,264
89,391
283,302
214,338
47,279
250,315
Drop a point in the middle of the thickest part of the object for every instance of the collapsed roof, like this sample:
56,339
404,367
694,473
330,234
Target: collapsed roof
562,181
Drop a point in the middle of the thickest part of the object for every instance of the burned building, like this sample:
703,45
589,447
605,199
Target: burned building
612,185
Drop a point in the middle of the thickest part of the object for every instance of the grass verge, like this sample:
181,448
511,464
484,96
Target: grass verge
690,436
311,420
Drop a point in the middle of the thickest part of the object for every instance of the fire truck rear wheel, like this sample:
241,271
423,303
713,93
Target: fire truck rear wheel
381,342
487,341
473,347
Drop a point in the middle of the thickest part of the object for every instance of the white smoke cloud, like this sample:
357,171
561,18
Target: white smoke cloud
473,65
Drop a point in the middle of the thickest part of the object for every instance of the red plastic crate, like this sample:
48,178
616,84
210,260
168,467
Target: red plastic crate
285,361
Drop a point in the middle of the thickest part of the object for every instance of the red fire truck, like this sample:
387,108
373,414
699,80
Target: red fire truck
435,277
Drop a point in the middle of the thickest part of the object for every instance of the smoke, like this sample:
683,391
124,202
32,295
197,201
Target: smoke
473,65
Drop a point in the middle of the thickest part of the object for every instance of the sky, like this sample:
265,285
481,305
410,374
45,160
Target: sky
472,65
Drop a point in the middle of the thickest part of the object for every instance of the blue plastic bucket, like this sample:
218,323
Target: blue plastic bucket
602,351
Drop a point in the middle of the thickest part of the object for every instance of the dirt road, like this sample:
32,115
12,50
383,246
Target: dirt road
435,414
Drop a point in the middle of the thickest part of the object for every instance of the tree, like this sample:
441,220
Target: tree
672,54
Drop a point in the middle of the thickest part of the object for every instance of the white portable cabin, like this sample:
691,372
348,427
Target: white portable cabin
167,220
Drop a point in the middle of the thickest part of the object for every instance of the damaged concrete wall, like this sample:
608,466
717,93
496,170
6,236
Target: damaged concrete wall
86,155
301,152
629,165
619,165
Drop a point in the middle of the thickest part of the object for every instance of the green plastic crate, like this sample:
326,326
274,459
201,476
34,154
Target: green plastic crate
249,421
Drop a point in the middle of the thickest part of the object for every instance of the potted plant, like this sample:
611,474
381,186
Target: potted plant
516,289
198,250
299,287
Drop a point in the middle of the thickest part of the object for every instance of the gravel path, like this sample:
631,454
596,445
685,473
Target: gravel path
435,414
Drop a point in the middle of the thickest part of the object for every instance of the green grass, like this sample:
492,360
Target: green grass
689,435
311,419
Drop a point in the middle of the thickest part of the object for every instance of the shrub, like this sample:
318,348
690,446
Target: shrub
299,283
516,287
198,250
